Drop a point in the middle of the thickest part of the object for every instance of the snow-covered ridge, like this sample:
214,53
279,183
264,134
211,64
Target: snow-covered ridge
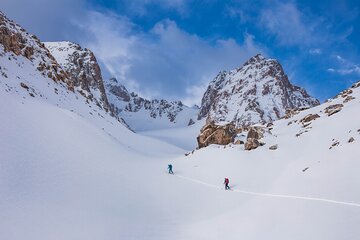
257,92
139,113
82,69
29,70
16,42
143,114
331,122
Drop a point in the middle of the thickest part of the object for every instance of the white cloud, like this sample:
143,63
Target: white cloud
286,22
140,7
346,67
338,57
352,70
194,94
166,61
49,20
346,71
315,51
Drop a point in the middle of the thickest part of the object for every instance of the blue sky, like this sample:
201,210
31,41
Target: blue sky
174,48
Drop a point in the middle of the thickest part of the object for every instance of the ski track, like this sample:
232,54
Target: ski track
273,195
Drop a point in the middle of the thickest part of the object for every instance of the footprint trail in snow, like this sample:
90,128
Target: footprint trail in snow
273,195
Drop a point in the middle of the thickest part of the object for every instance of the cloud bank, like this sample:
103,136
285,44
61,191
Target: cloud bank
165,61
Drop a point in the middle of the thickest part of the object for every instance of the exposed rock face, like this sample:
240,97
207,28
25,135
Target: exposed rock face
255,132
345,93
309,118
253,137
82,69
223,135
356,85
212,134
273,147
191,122
251,144
23,85
348,99
332,109
334,144
27,68
257,92
119,90
16,40
155,113
292,112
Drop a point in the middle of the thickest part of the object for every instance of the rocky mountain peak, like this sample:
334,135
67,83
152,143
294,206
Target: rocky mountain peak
257,58
257,92
119,90
19,43
82,68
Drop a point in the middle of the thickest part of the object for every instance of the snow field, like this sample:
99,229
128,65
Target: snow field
71,175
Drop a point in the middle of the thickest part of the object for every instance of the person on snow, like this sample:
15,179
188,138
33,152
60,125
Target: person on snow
226,182
170,169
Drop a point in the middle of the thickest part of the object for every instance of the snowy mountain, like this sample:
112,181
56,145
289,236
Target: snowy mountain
82,69
304,179
76,180
75,73
22,52
142,114
70,170
139,113
257,92
29,70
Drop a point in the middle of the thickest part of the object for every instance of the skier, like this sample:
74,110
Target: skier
170,169
226,182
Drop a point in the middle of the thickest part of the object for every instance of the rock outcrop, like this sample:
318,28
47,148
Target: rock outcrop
253,138
213,134
251,143
255,132
273,147
309,118
332,109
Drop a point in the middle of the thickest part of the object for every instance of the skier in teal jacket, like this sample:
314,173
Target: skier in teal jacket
170,169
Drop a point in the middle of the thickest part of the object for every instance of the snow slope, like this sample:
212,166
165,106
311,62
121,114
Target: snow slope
183,137
61,176
302,190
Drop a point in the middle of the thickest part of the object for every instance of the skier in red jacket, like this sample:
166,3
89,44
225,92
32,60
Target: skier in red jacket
226,182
